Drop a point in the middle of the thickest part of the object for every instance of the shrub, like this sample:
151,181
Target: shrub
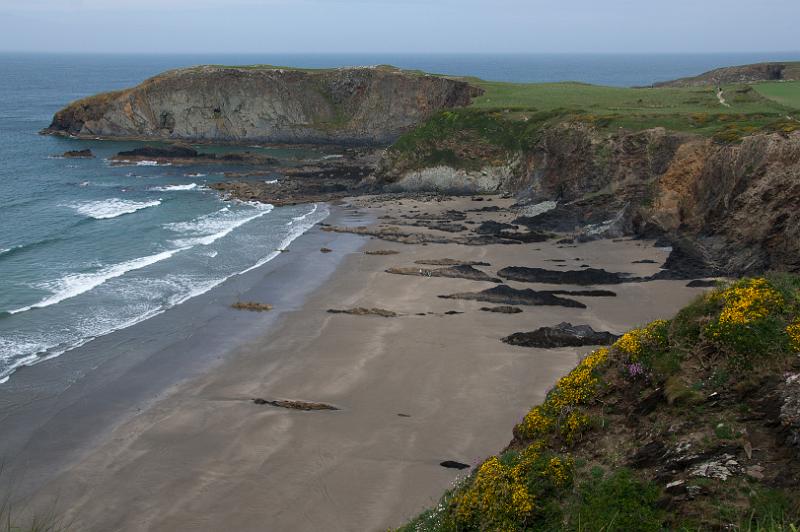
616,502
560,408
513,491
750,322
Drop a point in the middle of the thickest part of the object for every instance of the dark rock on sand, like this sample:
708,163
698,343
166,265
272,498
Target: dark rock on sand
511,296
588,276
382,252
701,283
252,306
450,464
78,154
562,335
361,311
295,405
503,309
462,271
684,263
450,262
325,250
644,261
491,227
584,293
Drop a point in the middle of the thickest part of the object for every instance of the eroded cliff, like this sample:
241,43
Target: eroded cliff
368,105
731,206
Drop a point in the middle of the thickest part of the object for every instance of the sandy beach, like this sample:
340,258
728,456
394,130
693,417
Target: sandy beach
411,391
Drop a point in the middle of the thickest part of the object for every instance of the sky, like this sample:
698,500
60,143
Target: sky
400,26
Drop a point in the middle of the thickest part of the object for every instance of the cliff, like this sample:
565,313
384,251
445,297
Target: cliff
369,105
731,206
740,74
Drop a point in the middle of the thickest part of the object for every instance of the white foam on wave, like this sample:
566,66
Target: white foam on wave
303,216
78,283
37,353
270,181
296,231
197,174
209,228
334,156
111,208
151,163
175,188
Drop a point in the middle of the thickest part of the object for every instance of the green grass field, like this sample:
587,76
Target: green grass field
786,93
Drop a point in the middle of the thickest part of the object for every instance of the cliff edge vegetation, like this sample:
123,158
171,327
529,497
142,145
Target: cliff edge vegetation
691,423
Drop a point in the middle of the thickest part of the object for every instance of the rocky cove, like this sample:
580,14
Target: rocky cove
496,230
728,206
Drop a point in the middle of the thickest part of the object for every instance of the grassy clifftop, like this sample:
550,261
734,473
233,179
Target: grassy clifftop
509,116
686,424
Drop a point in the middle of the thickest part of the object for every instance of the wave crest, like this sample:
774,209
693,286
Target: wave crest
111,208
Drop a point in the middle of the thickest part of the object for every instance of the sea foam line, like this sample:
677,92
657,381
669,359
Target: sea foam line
214,228
78,283
111,208
293,235
175,188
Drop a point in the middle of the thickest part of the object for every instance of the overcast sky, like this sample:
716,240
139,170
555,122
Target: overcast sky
222,26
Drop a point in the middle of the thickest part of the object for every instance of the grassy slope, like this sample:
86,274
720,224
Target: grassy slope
785,93
599,453
509,117
694,109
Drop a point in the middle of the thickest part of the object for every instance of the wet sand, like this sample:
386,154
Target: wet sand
205,457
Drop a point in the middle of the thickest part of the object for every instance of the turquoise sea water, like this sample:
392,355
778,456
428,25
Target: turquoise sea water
87,248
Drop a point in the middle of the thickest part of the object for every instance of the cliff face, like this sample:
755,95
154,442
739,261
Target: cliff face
734,207
740,74
264,104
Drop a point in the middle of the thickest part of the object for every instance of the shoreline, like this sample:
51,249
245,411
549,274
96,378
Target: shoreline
84,393
433,383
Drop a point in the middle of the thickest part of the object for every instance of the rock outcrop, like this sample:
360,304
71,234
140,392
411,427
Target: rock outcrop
368,105
729,207
739,74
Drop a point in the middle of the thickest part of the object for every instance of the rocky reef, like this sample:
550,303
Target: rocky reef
366,105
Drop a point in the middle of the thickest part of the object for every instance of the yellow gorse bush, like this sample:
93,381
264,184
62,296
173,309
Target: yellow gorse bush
498,497
747,301
635,342
577,388
793,330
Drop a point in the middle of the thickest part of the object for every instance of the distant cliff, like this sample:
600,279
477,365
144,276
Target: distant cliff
369,105
740,74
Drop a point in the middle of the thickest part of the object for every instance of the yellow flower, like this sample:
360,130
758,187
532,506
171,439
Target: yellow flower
747,301
636,342
793,330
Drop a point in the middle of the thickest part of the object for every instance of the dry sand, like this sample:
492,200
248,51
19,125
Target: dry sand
207,458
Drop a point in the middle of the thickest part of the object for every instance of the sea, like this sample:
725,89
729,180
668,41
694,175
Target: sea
87,248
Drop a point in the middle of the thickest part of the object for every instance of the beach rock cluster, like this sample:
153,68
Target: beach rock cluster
562,335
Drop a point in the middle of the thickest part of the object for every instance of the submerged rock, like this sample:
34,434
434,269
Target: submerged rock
78,154
511,296
562,335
